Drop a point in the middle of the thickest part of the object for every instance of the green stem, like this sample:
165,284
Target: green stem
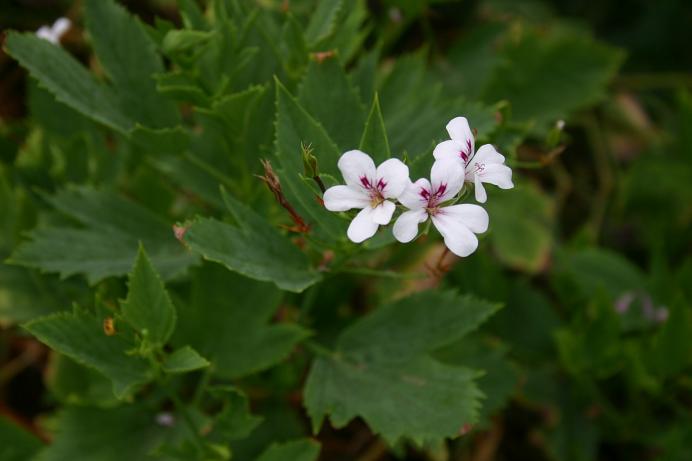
202,385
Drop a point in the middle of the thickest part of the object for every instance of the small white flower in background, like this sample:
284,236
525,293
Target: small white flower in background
369,189
458,224
486,165
55,32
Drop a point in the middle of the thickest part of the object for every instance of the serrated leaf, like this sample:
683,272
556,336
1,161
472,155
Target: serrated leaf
252,248
107,243
374,139
16,444
227,320
148,308
129,58
80,336
184,360
546,77
327,94
75,384
323,20
415,325
295,127
296,450
68,80
419,398
382,370
127,432
521,226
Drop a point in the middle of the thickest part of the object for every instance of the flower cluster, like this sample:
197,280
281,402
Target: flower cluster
374,190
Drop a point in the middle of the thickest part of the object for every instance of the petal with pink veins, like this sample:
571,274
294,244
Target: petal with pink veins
357,168
393,174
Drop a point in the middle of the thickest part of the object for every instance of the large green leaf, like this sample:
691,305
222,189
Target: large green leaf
326,93
68,80
107,243
295,127
129,58
252,247
382,369
148,308
547,76
80,336
184,360
227,320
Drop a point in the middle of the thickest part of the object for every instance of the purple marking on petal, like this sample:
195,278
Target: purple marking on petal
424,193
365,182
381,184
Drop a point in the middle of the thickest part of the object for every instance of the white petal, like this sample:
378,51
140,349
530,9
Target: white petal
450,175
500,175
356,165
460,131
406,226
472,216
342,198
488,154
394,174
450,150
481,196
458,238
413,197
362,227
383,212
61,26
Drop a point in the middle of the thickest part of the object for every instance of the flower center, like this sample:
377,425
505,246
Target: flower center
374,189
433,198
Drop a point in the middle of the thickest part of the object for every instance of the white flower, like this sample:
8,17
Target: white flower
456,223
54,32
486,165
367,188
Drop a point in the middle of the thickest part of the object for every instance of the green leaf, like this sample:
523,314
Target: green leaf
545,77
80,336
294,126
323,20
374,139
521,226
107,243
227,320
130,60
234,421
296,450
68,80
17,444
148,308
75,384
24,295
382,369
417,324
252,247
127,432
183,360
327,94
420,398
595,269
